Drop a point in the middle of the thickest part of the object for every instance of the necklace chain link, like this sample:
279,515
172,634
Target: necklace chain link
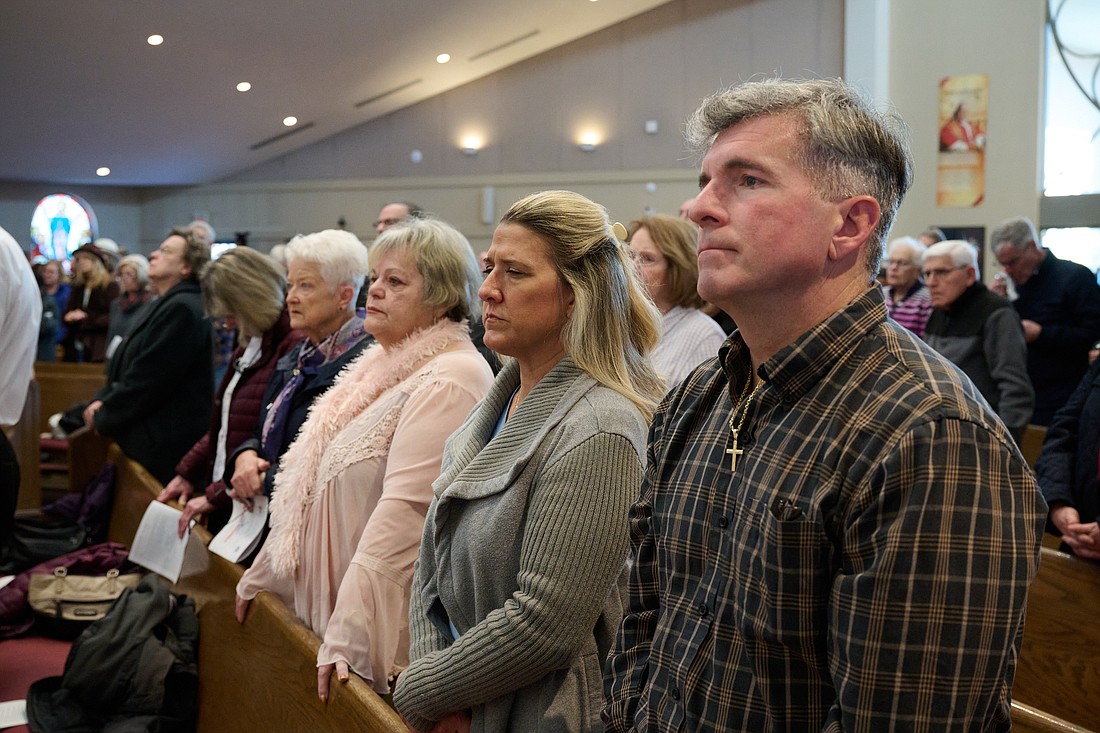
743,402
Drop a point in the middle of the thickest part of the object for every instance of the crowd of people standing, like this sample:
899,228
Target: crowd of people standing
548,492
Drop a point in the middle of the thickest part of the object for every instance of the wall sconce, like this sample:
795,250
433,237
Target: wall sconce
471,144
588,141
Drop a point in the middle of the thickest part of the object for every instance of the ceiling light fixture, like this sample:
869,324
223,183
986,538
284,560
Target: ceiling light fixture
471,144
588,141
244,86
155,40
443,58
290,121
103,171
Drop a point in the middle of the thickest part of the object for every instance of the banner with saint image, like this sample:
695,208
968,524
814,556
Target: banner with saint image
963,110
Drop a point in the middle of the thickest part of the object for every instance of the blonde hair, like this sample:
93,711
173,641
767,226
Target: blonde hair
246,285
443,257
675,239
614,325
98,278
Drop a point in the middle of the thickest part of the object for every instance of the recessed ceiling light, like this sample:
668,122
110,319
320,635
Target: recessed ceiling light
244,86
155,40
103,171
290,121
443,58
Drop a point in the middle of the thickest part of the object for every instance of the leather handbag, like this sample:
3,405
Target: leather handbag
77,600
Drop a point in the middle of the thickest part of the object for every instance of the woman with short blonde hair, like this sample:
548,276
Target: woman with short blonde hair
350,499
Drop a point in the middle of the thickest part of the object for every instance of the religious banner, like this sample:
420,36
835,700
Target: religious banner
964,105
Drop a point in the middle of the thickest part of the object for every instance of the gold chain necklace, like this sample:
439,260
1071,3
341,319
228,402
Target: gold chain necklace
743,403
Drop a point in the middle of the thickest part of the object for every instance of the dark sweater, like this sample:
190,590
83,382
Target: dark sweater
314,386
1067,468
1064,299
981,335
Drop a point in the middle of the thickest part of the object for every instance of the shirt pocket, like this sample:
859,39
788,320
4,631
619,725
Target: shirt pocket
795,575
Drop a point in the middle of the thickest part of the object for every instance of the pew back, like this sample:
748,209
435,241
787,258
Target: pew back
1059,666
63,384
260,675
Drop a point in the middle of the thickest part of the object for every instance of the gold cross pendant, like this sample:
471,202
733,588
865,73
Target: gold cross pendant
734,452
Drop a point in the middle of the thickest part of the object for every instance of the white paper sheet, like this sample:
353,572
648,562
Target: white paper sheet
241,535
156,545
13,713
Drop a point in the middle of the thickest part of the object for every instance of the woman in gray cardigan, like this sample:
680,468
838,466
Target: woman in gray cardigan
515,601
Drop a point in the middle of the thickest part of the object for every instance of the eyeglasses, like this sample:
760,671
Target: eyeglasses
899,263
941,271
387,222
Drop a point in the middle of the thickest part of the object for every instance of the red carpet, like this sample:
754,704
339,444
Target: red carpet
23,661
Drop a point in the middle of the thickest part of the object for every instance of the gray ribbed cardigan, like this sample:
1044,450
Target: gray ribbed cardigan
522,550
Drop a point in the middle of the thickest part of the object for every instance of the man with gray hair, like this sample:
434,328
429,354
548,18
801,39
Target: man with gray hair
978,331
1059,306
834,532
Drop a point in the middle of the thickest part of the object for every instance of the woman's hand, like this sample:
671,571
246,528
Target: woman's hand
324,672
74,316
178,488
248,476
89,413
240,609
198,506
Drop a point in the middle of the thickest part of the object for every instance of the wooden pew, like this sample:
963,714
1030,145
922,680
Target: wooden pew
1032,443
260,675
1059,667
1026,719
24,441
63,384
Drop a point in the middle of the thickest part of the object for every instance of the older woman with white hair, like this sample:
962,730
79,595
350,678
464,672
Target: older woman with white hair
133,280
350,500
907,300
515,604
325,271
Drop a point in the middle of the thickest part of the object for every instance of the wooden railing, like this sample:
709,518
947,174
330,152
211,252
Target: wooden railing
260,675
1059,667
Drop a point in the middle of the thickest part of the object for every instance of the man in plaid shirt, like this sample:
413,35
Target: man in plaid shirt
835,532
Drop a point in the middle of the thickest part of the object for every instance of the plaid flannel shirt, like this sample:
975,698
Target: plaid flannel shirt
866,566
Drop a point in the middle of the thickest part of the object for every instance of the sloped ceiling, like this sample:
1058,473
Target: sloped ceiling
80,87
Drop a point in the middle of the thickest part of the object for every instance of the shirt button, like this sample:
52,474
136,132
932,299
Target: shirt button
723,522
676,694
702,609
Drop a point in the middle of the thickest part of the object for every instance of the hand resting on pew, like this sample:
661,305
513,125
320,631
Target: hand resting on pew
1082,537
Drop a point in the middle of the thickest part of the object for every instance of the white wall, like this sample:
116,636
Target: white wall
655,66
931,39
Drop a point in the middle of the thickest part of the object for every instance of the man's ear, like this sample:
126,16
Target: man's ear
859,217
